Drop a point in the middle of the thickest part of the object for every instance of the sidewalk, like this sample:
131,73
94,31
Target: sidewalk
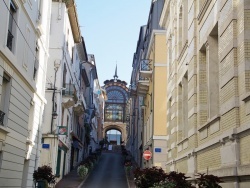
71,180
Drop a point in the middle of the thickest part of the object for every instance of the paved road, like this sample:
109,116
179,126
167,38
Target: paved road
108,173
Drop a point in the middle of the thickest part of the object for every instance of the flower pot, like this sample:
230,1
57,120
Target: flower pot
42,184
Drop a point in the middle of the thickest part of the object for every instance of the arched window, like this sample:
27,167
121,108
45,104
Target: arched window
115,105
114,112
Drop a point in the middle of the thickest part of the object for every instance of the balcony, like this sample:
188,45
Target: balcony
69,95
145,68
78,108
132,90
143,85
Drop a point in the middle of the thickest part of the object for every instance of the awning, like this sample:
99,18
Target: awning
62,146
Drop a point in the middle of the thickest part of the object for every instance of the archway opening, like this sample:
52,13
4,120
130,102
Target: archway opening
114,137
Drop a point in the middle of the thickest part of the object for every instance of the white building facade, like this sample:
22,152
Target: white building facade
23,63
63,133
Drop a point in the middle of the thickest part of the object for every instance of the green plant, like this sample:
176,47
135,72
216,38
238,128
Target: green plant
82,171
208,181
165,184
147,177
179,179
128,166
44,173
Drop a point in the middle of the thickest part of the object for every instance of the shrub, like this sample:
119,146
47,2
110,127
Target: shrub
165,184
44,173
147,177
208,181
128,166
179,179
82,171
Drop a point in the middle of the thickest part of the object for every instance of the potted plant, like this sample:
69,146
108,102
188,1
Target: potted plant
128,166
82,171
43,176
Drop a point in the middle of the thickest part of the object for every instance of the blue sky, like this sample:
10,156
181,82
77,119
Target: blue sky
111,30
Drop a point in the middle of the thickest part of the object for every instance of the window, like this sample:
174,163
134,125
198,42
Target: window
180,31
1,158
12,15
36,65
26,53
31,121
5,97
212,63
183,27
114,112
185,105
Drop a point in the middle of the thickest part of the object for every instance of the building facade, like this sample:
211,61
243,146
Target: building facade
23,62
148,89
207,88
135,112
63,139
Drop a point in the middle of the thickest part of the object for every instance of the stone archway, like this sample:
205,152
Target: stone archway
118,126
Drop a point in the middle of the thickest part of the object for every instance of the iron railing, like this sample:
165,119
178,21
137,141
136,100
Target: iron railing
1,117
10,40
145,65
69,89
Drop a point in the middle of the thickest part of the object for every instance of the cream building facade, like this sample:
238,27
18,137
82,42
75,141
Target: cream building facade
150,90
24,54
208,88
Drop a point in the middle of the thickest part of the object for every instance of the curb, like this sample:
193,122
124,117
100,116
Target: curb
127,179
81,184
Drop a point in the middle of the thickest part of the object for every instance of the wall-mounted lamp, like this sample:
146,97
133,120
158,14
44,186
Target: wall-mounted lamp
54,115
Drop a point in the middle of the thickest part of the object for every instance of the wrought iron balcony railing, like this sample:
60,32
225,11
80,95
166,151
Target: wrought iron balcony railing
1,117
69,89
143,79
145,68
10,40
145,65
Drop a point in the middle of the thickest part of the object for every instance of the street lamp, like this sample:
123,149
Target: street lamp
54,113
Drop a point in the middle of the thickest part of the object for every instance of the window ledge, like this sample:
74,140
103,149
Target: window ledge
3,133
210,121
203,9
183,140
246,97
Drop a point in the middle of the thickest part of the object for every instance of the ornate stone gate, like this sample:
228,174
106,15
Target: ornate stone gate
115,106
117,126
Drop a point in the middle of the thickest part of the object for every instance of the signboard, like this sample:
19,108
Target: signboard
45,146
62,130
147,155
158,150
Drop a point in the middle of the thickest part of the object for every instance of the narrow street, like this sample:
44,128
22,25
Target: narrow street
108,173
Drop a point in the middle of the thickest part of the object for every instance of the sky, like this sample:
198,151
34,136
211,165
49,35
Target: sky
111,29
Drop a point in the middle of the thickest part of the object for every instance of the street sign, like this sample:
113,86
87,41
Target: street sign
147,154
62,130
45,146
158,150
